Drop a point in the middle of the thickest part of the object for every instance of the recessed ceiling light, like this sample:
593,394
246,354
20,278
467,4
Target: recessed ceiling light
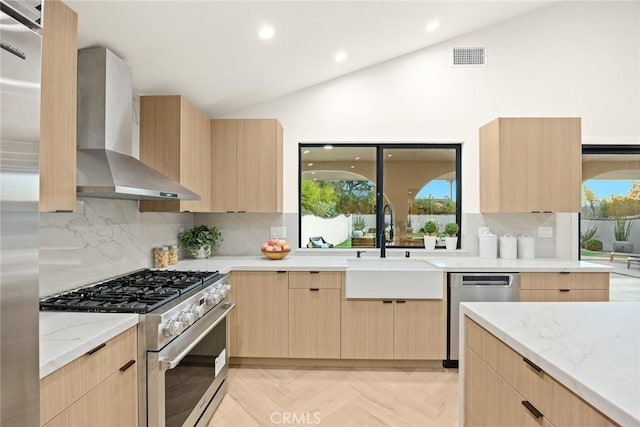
389,155
266,32
328,147
310,164
357,158
352,167
313,173
306,152
341,56
433,25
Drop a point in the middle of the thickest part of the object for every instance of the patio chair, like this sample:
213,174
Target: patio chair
318,242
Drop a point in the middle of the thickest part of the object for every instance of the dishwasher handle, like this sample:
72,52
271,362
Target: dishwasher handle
489,280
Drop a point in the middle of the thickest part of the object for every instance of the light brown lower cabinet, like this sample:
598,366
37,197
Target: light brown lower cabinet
503,388
569,286
314,323
75,394
394,329
367,330
114,402
261,314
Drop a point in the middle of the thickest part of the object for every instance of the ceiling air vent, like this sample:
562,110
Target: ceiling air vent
469,56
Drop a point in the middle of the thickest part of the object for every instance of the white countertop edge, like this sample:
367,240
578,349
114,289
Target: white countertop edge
71,335
333,262
603,404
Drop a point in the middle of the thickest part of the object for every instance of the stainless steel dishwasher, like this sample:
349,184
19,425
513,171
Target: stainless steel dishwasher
474,287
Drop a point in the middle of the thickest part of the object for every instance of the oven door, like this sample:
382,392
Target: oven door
186,380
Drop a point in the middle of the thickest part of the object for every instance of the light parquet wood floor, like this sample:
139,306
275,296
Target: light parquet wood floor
339,397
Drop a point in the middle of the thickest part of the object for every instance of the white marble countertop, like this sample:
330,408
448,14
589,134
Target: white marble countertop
66,336
333,262
593,348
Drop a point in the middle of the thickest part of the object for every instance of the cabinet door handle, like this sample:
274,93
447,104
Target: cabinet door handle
127,365
535,211
533,365
93,350
242,211
534,411
280,271
315,289
387,302
231,211
565,290
401,302
314,272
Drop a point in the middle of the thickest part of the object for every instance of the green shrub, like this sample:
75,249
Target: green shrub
593,245
451,229
589,234
431,227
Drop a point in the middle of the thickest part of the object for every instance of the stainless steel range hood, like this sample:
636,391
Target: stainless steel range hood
105,165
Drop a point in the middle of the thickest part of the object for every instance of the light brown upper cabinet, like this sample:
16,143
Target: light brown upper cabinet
530,165
246,165
58,108
175,140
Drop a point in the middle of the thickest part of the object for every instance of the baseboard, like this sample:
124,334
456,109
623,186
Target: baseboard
262,362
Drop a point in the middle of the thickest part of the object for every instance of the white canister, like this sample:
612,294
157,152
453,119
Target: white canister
508,247
488,246
526,247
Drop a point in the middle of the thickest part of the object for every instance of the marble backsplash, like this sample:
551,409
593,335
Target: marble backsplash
514,224
103,238
244,233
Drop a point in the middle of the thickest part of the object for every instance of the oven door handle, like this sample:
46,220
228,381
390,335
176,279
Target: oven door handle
166,363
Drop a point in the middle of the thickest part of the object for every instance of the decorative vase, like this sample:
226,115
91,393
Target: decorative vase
201,253
357,233
451,243
430,242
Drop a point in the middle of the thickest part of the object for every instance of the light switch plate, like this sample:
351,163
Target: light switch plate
278,232
545,231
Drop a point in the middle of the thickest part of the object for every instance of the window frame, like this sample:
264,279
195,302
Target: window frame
587,149
380,147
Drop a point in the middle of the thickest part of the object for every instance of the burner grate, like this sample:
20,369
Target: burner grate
139,292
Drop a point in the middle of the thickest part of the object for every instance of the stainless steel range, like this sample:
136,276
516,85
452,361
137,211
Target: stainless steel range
182,338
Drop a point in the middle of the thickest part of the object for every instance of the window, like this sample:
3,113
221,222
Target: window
344,187
610,217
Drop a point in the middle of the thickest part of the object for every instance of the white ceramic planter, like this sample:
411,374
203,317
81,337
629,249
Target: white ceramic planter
430,242
202,253
451,243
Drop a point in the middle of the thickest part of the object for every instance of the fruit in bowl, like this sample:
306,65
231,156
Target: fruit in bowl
275,248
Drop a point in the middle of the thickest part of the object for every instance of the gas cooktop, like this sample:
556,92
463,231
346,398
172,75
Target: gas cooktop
139,292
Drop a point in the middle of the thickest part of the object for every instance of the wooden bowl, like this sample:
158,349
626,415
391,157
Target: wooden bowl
276,255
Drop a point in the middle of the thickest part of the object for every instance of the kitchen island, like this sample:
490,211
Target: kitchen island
545,353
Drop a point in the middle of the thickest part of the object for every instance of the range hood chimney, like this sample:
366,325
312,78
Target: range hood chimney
105,165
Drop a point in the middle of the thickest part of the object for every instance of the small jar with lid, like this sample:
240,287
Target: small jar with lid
173,254
161,257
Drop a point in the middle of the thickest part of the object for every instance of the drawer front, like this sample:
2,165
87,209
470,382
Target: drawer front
523,376
561,295
315,279
490,401
557,281
558,404
63,387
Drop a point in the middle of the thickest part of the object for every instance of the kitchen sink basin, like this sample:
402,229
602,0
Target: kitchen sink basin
385,278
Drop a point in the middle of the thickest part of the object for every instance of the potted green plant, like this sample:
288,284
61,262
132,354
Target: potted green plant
359,225
431,228
201,241
451,239
621,231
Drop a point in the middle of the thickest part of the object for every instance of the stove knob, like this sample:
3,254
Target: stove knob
174,327
210,299
223,290
198,310
187,317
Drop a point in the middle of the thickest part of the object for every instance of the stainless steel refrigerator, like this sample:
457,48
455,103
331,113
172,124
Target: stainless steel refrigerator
20,47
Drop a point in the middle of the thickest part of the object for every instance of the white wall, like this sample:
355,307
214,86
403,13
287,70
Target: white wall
569,59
